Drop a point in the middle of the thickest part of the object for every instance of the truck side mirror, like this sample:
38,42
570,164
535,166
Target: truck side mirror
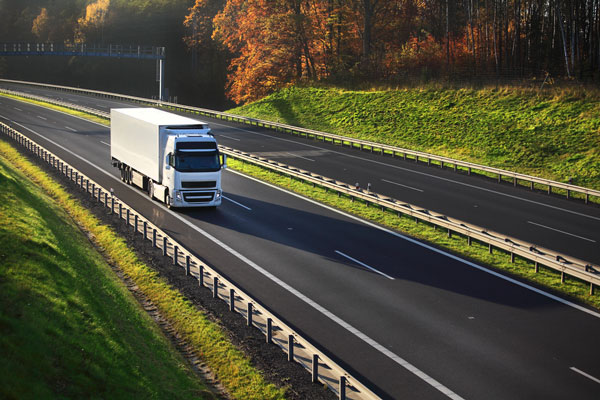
224,162
168,161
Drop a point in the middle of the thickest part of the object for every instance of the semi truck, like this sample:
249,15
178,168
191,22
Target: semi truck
174,159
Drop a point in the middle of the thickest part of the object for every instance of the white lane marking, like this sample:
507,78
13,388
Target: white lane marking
364,265
108,144
558,230
239,204
452,256
584,374
404,186
419,173
40,117
295,155
71,129
17,108
382,349
232,138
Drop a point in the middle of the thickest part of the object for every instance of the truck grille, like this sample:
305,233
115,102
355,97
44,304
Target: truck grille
198,197
199,185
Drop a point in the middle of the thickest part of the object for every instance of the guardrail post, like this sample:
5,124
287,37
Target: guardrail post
154,237
187,265
164,247
231,300
135,224
315,368
120,210
249,315
128,214
145,230
175,251
449,233
469,240
215,287
562,276
342,391
587,198
512,257
549,189
201,276
490,248
568,194
269,332
591,289
290,347
531,185
106,199
112,205
514,181
537,267
499,178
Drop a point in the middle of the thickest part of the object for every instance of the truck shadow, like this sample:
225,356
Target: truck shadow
301,235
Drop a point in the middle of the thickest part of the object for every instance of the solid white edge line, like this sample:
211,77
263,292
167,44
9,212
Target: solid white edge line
239,204
273,278
558,230
108,144
404,186
364,265
585,374
419,173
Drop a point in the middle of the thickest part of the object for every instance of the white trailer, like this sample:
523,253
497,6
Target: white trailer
174,158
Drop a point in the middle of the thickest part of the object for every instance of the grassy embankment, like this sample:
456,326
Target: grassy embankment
553,134
70,328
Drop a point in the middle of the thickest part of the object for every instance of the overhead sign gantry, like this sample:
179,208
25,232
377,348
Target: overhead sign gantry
85,50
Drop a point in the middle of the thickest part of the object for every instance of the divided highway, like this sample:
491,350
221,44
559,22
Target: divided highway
416,324
566,226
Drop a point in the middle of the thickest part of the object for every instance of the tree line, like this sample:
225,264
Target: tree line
245,49
276,42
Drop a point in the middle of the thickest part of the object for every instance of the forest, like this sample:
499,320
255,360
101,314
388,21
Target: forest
221,52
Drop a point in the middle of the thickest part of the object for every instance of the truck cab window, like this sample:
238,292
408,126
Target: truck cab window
197,162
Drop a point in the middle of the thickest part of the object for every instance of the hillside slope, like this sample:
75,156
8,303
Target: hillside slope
551,134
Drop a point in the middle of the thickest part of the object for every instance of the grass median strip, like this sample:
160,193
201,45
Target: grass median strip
231,367
457,244
51,106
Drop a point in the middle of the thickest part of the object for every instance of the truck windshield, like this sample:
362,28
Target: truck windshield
197,162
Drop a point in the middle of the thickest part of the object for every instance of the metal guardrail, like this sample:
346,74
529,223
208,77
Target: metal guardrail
394,151
564,264
322,368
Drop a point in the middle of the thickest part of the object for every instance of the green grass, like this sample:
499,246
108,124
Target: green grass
119,362
69,328
65,110
457,244
554,134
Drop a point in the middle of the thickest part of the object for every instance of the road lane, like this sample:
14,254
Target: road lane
478,335
502,208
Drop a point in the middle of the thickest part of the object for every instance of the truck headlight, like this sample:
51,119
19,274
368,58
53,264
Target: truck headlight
218,194
177,195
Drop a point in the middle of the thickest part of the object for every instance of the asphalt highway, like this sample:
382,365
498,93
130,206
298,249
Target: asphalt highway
413,322
566,226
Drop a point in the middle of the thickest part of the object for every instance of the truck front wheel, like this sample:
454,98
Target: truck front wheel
168,200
